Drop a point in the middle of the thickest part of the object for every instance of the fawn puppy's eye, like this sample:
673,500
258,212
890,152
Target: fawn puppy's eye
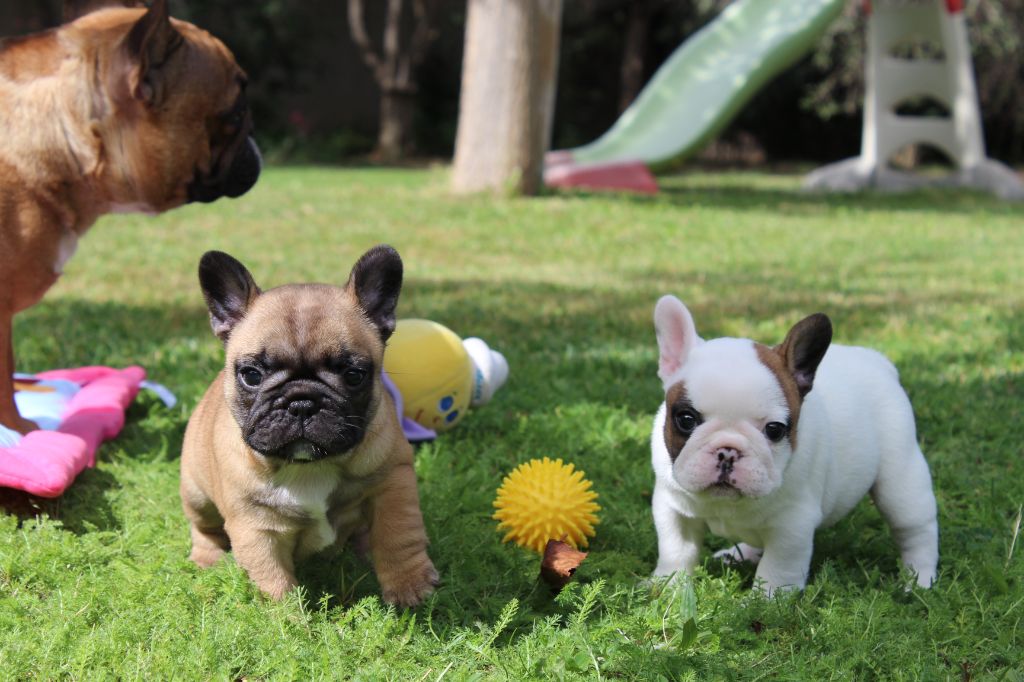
250,376
354,377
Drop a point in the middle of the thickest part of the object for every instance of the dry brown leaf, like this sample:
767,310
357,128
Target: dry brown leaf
560,563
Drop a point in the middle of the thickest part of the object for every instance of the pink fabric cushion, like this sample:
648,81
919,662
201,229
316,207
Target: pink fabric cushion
45,463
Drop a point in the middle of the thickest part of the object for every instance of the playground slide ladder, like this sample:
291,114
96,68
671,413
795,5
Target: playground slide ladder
892,81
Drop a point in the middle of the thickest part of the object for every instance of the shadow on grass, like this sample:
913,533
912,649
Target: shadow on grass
83,508
742,195
72,333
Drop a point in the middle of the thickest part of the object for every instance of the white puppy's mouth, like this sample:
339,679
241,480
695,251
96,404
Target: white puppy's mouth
723,489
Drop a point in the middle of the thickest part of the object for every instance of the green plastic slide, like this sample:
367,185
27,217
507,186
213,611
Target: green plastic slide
705,82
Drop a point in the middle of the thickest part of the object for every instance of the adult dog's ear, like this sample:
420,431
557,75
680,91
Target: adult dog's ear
147,47
376,281
229,290
79,8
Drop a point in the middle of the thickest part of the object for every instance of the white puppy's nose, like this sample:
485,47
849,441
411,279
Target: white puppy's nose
726,460
726,456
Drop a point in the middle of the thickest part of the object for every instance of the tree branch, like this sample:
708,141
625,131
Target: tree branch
357,27
426,31
423,35
392,42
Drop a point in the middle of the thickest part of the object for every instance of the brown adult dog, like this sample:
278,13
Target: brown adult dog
121,110
296,445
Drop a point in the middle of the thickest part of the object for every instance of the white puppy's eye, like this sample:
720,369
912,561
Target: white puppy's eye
775,431
686,421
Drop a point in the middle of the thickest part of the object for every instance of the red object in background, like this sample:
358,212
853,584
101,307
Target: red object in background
625,176
952,6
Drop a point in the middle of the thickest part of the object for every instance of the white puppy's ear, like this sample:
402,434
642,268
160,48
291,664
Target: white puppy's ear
677,335
804,347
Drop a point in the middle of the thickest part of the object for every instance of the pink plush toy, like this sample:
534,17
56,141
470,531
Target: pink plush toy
87,407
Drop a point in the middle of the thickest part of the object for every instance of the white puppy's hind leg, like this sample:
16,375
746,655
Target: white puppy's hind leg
739,553
903,494
919,550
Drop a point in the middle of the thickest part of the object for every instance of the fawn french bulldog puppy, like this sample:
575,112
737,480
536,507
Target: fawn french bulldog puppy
121,110
763,445
297,445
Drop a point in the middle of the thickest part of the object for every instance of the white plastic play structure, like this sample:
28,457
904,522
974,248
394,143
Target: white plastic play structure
891,81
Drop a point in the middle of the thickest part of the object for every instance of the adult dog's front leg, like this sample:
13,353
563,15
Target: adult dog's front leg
9,416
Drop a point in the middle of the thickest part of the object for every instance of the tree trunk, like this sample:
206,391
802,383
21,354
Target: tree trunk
395,139
509,70
394,69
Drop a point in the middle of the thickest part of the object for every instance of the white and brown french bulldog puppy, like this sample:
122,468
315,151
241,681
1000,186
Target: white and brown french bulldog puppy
296,445
764,444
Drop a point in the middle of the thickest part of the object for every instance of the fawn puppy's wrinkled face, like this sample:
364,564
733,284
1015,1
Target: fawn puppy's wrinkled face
302,375
732,405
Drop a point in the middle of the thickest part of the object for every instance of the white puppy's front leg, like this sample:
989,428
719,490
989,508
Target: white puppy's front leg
679,537
786,560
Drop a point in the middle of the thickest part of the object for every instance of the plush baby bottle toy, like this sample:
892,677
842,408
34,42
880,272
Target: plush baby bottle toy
439,375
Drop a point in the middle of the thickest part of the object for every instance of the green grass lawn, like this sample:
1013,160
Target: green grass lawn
97,583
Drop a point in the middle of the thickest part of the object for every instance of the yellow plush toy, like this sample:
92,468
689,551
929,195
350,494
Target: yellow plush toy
438,374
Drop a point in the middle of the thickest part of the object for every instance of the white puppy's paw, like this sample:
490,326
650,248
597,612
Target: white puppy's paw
739,553
770,590
663,577
923,579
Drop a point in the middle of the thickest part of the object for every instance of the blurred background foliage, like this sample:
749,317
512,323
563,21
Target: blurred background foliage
316,100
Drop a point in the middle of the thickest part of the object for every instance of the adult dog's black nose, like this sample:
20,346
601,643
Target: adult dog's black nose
232,182
245,170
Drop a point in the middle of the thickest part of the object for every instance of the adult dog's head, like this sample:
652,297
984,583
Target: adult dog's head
168,109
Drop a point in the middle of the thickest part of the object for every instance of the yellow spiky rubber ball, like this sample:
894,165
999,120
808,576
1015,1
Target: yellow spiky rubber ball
545,500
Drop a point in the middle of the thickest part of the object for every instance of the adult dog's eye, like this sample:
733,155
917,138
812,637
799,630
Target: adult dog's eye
250,376
354,377
775,431
686,421
233,123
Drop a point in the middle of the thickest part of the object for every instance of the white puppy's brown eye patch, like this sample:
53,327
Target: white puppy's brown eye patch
680,417
770,358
